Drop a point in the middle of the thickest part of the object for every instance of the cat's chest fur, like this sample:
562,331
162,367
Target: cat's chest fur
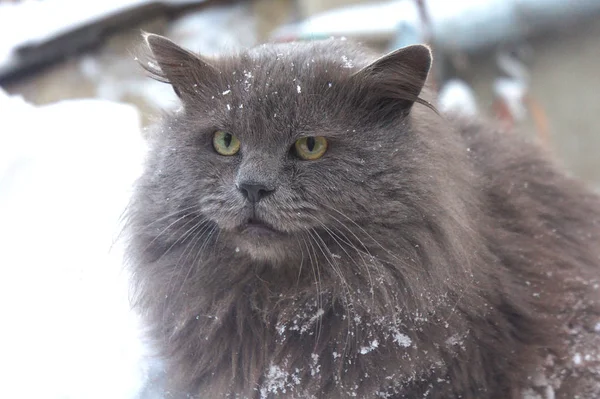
320,346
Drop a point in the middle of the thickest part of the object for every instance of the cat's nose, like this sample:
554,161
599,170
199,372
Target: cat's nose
255,191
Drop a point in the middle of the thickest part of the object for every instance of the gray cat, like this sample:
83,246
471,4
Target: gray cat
308,226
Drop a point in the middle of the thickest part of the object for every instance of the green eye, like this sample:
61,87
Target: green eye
225,143
311,148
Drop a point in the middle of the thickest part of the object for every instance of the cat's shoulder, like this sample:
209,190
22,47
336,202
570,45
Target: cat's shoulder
489,144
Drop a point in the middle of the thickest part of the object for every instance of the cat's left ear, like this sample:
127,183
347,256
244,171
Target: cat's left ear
396,79
167,62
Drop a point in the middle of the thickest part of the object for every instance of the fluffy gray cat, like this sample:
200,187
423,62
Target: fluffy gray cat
308,226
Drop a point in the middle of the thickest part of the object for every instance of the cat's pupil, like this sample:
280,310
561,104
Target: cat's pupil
310,143
227,139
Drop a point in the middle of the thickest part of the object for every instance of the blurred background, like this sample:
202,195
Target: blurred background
528,63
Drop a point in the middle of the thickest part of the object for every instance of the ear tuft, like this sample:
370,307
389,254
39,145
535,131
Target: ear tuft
147,60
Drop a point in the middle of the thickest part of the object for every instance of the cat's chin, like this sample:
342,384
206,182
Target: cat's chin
265,244
271,254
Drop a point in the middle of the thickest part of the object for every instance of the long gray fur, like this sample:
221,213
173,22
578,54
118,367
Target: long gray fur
421,256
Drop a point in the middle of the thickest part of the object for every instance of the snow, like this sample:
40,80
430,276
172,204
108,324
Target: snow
280,328
315,367
275,381
402,339
372,346
248,80
347,62
317,316
65,174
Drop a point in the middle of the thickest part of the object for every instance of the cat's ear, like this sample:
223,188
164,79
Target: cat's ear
394,81
167,62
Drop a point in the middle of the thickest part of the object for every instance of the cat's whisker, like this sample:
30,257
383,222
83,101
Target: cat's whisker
193,264
188,249
350,307
165,229
363,253
329,256
195,232
319,321
365,257
301,261
359,253
347,242
319,325
214,246
197,256
194,222
333,263
335,238
314,267
170,215
182,238
364,231
363,244
217,239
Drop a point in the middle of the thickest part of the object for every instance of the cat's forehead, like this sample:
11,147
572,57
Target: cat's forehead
338,53
291,65
285,89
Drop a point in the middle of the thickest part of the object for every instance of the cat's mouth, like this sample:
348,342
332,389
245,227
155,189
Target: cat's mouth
262,241
255,226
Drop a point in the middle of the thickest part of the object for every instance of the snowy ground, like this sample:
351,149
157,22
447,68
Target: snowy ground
65,174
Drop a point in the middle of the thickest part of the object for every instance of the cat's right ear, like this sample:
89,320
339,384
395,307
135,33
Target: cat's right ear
392,83
169,63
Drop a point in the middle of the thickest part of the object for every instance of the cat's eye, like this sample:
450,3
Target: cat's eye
225,143
310,148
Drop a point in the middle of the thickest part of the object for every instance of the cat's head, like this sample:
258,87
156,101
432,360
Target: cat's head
279,142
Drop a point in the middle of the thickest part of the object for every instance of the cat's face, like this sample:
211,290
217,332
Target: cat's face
270,148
